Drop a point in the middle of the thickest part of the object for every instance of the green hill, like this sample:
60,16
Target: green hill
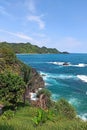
13,73
15,77
29,48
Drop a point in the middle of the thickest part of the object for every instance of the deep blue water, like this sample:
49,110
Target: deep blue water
69,81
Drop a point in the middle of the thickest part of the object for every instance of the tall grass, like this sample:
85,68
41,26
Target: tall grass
23,121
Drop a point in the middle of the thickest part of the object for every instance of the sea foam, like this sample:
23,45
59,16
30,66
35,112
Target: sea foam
55,97
82,77
74,101
69,64
83,116
80,65
47,76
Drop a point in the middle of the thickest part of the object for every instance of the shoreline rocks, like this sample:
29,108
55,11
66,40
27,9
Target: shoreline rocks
35,84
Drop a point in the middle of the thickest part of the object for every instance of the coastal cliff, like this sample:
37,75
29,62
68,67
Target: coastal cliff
29,75
36,80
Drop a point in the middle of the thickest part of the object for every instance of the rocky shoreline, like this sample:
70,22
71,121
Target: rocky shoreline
35,84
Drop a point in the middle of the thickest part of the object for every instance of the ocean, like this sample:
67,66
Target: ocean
64,81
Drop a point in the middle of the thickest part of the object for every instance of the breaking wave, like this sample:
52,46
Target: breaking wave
83,116
55,97
82,77
74,101
69,64
57,76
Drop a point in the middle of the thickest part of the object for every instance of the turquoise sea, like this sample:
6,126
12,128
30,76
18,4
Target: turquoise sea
64,81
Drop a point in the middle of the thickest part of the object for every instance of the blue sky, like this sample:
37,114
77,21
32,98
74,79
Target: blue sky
60,24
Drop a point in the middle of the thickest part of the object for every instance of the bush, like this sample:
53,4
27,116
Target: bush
65,109
42,116
45,92
45,95
8,115
12,88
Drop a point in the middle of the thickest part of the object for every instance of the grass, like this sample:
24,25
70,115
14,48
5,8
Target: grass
23,121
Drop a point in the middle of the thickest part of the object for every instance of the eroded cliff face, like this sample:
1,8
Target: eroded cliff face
36,81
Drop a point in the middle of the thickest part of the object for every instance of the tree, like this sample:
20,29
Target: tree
12,88
7,54
44,98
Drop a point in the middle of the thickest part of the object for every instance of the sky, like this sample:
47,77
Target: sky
60,24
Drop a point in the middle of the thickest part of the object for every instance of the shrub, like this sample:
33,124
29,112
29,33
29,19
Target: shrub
12,87
42,116
8,115
45,95
65,109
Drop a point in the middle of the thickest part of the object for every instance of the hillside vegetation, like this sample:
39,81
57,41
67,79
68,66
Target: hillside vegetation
29,48
21,114
15,77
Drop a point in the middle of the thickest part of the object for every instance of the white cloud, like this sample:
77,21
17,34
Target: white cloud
69,44
19,35
71,41
38,20
39,35
23,36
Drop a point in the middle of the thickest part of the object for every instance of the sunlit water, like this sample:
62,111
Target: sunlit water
68,81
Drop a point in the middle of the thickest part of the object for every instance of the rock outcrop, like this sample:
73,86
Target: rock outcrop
36,80
34,83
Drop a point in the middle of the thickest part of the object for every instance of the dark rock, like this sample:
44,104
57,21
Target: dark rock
34,83
65,52
65,63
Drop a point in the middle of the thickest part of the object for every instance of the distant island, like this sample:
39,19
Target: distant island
31,49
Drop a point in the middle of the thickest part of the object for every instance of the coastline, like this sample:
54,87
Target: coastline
53,79
83,117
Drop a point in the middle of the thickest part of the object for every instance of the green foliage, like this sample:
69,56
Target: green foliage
44,91
42,116
65,109
11,87
7,54
46,96
26,73
22,120
29,48
8,115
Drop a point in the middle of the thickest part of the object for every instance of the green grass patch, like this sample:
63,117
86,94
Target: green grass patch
22,120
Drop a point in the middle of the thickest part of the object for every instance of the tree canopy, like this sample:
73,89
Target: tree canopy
11,87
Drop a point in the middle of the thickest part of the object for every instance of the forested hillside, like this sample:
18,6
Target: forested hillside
29,48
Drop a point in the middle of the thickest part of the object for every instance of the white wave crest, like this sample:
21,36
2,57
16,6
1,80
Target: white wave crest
82,77
55,97
68,64
74,101
47,76
80,65
57,63
83,116
33,96
47,84
61,63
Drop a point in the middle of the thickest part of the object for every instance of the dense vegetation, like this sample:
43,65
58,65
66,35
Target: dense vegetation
32,118
14,75
29,48
20,115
